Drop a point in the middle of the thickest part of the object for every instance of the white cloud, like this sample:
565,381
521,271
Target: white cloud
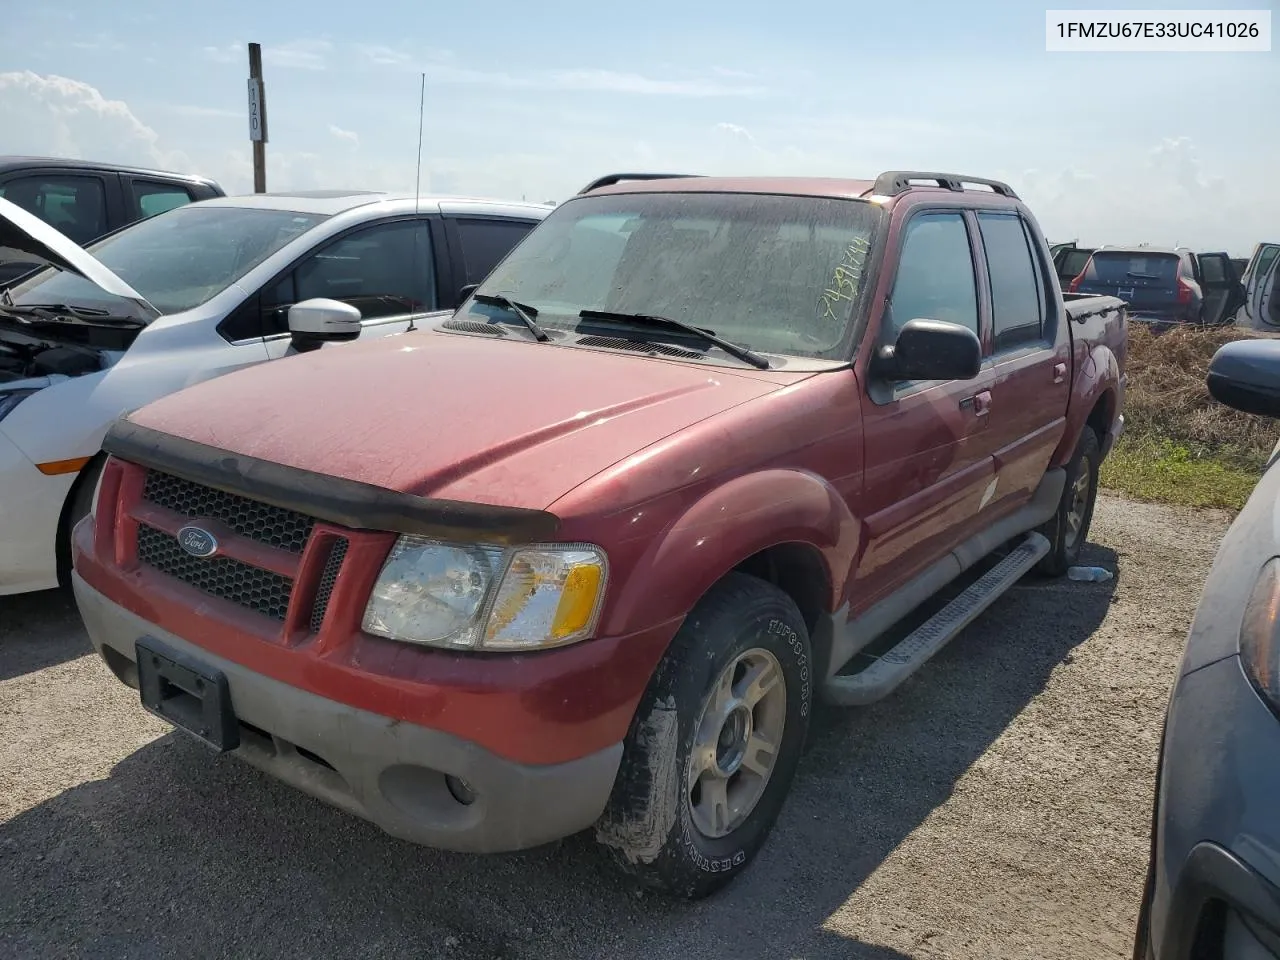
611,81
291,55
443,67
195,110
734,130
1163,197
228,53
297,54
348,135
65,117
384,56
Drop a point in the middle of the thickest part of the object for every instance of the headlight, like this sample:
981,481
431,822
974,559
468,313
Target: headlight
1259,639
485,597
10,399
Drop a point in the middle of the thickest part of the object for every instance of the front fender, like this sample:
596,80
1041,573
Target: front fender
724,527
1098,378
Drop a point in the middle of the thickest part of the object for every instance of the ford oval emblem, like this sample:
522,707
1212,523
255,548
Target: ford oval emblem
197,542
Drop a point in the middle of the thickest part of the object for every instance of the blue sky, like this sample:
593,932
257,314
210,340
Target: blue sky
535,99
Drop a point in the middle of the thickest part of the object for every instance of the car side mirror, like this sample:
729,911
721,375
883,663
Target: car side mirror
467,291
315,322
931,350
1245,375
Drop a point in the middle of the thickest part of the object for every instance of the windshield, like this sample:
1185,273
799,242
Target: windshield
778,274
176,260
1122,269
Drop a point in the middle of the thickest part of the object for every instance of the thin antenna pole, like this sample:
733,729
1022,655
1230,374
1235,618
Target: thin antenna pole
417,186
422,103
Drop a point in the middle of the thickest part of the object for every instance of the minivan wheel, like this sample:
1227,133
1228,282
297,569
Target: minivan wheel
715,742
1068,529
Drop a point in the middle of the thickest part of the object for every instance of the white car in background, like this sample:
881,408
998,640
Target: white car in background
191,294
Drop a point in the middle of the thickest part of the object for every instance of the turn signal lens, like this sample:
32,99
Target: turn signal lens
550,596
1259,643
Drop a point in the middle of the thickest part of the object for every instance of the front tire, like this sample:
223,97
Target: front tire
1068,529
715,742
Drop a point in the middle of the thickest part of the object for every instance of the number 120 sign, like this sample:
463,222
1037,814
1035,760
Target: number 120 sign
257,120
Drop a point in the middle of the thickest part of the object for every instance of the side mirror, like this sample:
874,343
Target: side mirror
315,322
1245,375
931,350
467,291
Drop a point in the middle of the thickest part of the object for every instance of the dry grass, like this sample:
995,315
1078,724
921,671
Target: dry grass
1181,445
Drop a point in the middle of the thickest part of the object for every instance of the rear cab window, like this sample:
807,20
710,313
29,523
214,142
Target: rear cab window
1017,293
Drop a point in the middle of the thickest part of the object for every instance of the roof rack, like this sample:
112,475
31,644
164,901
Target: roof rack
893,182
612,178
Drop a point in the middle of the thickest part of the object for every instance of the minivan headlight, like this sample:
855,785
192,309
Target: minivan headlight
484,597
1260,634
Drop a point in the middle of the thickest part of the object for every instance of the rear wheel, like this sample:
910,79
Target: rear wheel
713,748
1068,530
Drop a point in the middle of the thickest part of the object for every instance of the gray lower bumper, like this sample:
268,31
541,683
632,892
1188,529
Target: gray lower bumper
389,772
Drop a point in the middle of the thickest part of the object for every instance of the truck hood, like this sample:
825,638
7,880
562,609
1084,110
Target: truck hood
504,423
26,233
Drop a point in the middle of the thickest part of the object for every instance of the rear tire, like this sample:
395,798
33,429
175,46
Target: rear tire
715,742
1068,529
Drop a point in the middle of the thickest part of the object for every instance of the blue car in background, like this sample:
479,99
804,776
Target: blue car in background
1213,884
1164,286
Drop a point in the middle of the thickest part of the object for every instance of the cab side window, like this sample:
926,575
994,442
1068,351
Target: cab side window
385,270
1017,298
935,277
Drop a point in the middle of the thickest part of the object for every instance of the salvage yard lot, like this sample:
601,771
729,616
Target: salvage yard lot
996,806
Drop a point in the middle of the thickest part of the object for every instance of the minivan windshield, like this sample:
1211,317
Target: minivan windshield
777,274
176,260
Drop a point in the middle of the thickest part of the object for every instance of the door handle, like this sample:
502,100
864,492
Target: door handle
1059,372
979,403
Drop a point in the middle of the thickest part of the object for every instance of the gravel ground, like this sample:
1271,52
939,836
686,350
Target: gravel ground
996,806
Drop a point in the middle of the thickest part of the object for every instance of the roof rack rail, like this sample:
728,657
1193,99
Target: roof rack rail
893,182
612,178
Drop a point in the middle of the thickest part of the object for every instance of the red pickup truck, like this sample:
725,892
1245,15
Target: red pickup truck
585,553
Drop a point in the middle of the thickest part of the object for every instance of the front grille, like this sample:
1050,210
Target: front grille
330,576
272,526
260,590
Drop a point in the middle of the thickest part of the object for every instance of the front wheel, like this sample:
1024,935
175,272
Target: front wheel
714,745
1068,529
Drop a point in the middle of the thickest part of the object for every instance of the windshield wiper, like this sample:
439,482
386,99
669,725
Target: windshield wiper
64,313
649,320
523,311
1142,276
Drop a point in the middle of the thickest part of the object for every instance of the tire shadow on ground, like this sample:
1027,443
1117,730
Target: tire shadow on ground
182,853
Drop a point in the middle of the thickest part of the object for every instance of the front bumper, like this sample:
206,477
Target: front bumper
1217,838
30,509
388,771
